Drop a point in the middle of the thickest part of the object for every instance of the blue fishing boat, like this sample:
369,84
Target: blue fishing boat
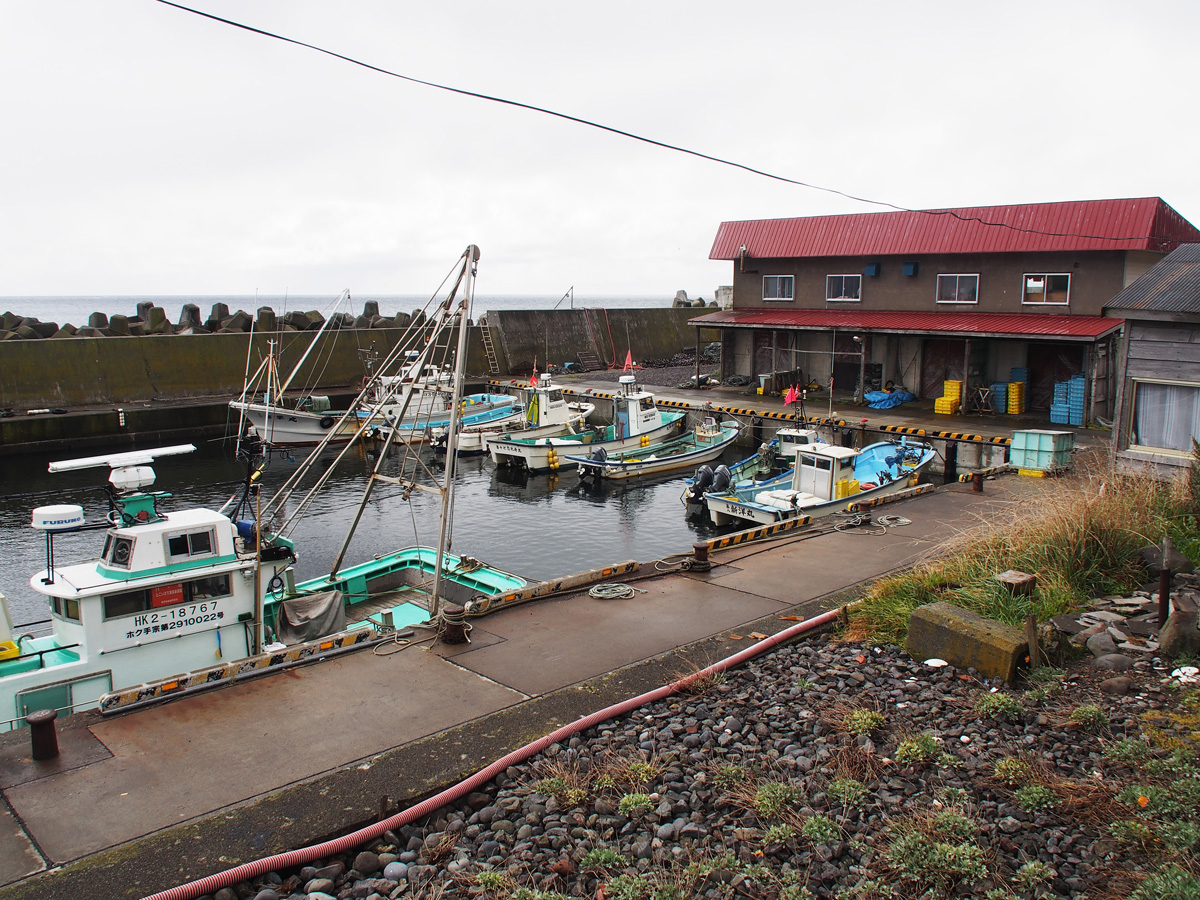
825,479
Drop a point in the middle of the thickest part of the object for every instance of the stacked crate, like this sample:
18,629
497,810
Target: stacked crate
1015,404
951,398
1067,408
1000,396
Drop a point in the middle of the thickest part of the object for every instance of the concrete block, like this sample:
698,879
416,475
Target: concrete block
966,640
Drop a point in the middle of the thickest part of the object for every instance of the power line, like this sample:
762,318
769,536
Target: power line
645,140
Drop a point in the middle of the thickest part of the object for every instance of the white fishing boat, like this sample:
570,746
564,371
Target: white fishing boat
546,412
773,459
637,422
704,443
187,599
825,479
417,400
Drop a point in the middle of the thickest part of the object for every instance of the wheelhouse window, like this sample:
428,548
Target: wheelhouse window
1166,416
192,543
130,602
1046,289
66,609
958,289
646,404
843,287
118,551
126,604
777,287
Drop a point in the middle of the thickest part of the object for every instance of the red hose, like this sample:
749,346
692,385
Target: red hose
293,858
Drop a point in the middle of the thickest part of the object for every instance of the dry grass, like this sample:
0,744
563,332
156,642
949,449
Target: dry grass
1080,536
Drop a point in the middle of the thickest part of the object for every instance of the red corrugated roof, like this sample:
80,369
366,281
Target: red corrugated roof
943,323
1141,224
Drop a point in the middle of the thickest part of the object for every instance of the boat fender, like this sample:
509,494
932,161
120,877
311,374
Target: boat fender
721,478
326,421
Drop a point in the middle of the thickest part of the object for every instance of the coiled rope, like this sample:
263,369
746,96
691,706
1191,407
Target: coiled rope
612,591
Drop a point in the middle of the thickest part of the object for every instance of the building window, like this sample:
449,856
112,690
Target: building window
1046,289
1166,417
843,287
958,289
777,287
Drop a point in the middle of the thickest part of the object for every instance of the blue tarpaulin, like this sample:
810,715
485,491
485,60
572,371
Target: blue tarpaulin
886,400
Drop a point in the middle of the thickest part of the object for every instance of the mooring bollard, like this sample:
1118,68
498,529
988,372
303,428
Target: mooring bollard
700,561
42,733
977,482
454,624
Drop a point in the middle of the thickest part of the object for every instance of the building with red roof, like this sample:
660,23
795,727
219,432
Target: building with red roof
919,297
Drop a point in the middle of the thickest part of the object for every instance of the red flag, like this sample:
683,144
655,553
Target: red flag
533,380
628,361
791,396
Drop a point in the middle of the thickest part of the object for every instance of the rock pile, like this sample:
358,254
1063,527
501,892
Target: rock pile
826,768
152,320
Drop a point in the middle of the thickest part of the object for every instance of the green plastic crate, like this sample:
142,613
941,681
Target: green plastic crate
1042,450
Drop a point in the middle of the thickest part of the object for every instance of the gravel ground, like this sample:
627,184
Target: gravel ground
836,769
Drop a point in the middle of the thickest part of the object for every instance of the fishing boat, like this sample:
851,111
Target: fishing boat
637,422
703,443
826,478
182,600
773,459
416,402
546,412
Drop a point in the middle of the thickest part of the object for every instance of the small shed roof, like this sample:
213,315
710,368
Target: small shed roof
1014,325
1171,285
1146,223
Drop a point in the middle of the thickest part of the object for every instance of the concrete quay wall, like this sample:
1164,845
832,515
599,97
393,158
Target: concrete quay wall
555,337
78,372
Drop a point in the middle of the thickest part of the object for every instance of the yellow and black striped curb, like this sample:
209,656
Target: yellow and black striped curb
213,676
933,434
481,605
864,505
990,470
754,534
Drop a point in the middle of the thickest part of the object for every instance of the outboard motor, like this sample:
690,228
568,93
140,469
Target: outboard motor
721,478
701,482
593,468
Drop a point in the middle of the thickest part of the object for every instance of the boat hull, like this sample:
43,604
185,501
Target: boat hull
547,454
688,451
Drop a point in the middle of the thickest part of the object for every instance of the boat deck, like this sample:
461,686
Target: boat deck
157,797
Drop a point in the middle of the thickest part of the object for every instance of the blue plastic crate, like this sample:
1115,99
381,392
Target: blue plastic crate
1060,392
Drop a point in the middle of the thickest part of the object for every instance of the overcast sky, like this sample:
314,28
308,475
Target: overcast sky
146,150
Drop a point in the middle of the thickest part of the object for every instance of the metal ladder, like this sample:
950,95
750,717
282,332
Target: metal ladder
490,349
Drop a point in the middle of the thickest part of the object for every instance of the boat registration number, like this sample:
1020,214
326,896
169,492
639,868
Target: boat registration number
175,617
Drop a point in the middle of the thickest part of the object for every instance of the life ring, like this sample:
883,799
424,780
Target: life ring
867,486
326,421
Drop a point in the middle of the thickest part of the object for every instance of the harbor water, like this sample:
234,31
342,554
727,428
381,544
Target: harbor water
539,527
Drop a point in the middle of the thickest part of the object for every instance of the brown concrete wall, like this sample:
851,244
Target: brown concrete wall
558,336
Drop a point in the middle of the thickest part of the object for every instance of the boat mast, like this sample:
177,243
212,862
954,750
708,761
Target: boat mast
460,363
344,295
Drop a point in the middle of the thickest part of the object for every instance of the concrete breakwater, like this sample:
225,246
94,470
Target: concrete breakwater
183,377
100,366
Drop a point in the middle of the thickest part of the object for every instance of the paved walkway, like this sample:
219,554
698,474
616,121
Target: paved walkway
154,798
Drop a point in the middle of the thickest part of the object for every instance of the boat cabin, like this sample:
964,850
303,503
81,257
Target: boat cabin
635,410
825,471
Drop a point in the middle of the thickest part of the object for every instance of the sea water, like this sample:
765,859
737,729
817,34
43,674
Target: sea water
539,527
